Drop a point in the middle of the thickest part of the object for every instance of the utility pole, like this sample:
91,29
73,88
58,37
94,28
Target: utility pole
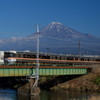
37,61
79,48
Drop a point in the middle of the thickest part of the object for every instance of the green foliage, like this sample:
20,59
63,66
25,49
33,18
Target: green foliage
97,80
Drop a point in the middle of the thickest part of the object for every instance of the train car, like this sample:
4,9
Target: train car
8,55
11,57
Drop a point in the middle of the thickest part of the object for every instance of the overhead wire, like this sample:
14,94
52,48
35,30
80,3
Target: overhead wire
68,46
73,41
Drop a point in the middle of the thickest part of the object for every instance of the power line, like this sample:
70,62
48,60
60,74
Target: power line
73,41
91,49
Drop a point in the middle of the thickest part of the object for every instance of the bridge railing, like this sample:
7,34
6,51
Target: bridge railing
27,64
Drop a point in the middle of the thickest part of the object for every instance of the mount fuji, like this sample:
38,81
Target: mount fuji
58,38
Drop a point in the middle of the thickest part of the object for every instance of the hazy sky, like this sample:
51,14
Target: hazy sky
18,17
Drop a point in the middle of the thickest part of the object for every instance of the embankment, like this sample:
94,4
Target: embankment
89,82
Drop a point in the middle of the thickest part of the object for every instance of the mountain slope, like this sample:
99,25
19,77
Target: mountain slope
56,29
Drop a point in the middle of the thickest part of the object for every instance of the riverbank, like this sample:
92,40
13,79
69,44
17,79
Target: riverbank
89,82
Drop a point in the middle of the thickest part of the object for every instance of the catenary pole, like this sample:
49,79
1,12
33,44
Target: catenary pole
37,61
79,48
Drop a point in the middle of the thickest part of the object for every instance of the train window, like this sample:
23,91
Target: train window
9,54
24,56
76,58
56,57
69,58
48,57
19,55
59,58
82,59
28,56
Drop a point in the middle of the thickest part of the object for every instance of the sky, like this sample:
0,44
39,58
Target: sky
18,17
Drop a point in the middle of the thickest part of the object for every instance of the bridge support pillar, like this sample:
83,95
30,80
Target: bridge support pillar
27,88
34,90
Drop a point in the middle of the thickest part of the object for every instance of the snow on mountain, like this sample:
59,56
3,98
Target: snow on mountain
55,29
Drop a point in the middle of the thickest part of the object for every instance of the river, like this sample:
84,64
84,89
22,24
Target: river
8,94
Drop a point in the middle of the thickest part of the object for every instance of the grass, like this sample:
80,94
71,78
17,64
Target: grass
97,80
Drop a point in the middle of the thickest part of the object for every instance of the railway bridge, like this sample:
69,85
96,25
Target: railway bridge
21,76
18,75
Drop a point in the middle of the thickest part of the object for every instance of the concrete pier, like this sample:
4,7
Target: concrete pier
34,90
28,88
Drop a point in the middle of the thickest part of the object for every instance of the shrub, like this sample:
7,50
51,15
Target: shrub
97,80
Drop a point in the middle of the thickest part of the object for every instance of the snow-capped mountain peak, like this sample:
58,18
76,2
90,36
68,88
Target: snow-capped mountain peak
55,23
56,29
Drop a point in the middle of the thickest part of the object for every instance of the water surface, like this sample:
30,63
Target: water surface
8,94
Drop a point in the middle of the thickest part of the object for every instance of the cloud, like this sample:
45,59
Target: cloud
14,39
